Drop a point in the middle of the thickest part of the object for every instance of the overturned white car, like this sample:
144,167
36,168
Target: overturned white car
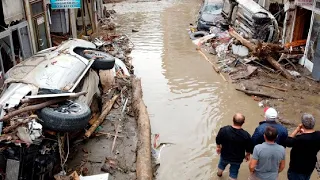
59,72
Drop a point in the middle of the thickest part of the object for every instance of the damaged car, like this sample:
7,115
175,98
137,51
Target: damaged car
251,20
65,76
209,14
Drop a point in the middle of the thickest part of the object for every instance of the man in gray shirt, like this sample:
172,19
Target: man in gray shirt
268,158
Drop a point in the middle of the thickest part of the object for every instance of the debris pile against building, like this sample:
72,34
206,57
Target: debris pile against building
75,108
255,47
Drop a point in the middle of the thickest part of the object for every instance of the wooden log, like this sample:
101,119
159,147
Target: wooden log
273,87
94,118
105,112
144,166
253,48
278,66
260,94
243,41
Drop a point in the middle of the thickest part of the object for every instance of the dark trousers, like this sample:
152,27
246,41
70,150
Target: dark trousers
296,176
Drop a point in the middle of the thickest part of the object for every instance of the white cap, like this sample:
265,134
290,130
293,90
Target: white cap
271,114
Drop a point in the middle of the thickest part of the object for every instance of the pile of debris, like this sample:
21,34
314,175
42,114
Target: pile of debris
257,67
108,22
233,50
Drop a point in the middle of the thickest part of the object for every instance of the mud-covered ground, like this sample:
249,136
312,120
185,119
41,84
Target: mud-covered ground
300,96
95,155
102,152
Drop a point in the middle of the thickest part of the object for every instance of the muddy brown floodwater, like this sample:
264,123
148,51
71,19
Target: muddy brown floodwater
187,101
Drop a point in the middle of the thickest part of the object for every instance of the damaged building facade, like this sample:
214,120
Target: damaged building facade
302,27
15,35
29,26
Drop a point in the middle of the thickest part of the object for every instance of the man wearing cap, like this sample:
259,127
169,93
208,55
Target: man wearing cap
271,116
305,146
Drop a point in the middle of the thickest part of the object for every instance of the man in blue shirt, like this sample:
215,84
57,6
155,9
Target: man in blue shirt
271,116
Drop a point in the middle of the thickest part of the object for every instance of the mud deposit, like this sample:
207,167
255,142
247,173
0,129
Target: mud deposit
94,156
301,95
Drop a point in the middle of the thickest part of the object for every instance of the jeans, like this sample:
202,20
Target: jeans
297,176
234,167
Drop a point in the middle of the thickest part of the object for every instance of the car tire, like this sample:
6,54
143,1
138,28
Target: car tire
102,60
261,18
198,34
58,119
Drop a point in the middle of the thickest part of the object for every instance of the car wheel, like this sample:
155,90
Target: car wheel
261,18
67,117
198,34
102,60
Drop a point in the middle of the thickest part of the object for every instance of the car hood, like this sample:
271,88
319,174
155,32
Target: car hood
54,68
211,17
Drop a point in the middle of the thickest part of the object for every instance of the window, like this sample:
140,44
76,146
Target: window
318,4
213,9
37,8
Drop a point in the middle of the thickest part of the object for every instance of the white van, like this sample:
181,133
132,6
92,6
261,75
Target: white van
251,20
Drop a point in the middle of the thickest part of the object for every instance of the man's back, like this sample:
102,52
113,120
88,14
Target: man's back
257,137
269,157
304,151
235,142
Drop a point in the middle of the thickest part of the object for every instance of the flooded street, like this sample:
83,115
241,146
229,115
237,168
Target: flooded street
187,101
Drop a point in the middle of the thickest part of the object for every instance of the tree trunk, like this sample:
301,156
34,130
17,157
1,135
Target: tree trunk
270,59
278,66
144,168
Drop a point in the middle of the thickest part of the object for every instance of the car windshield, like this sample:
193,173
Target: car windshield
213,9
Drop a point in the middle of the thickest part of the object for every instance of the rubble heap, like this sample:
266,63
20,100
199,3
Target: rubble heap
257,67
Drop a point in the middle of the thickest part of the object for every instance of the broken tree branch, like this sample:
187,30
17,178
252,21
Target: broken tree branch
98,134
115,137
255,93
33,108
105,112
273,87
144,166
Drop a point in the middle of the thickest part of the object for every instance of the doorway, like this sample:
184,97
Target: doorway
302,24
